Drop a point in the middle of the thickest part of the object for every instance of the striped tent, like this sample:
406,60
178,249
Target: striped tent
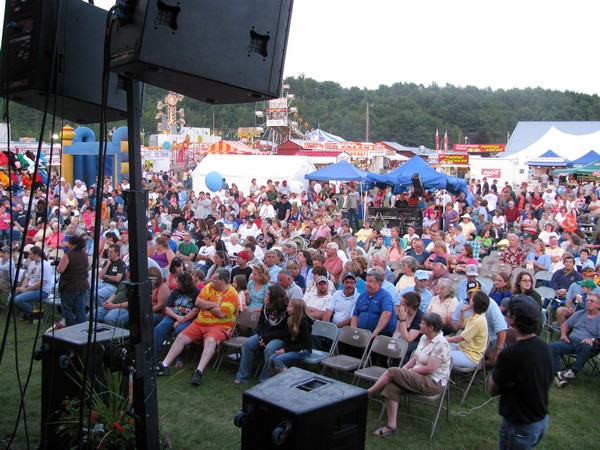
230,148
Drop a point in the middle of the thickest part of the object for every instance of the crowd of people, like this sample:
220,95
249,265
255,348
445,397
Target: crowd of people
296,257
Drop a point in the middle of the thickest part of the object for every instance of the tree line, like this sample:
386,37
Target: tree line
406,113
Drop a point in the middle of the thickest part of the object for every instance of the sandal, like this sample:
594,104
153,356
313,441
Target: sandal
179,364
384,431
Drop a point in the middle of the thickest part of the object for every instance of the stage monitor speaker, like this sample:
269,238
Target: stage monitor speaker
32,27
417,184
300,410
225,51
63,353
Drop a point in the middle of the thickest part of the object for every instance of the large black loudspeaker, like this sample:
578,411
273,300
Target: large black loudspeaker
300,410
63,353
36,30
225,51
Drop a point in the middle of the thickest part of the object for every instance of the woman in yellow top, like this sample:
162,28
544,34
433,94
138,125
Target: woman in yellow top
469,346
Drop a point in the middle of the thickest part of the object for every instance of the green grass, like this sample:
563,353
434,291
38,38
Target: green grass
202,417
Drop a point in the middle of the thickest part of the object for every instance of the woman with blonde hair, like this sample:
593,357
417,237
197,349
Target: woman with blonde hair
444,303
297,343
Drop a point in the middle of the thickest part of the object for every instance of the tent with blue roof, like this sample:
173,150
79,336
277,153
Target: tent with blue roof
588,158
430,177
319,135
340,171
549,159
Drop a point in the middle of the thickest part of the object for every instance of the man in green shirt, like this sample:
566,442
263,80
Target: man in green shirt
187,250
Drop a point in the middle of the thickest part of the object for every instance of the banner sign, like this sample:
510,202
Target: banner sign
492,173
480,148
313,145
451,159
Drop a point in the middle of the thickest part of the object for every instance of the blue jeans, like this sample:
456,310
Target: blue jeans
560,348
287,359
460,358
353,219
517,437
251,346
105,290
26,300
73,305
163,329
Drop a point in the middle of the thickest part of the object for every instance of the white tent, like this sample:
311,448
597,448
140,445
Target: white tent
240,169
569,139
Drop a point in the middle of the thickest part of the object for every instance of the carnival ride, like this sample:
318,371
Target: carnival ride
280,120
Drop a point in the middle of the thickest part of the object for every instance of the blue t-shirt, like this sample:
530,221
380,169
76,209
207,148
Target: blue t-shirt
369,309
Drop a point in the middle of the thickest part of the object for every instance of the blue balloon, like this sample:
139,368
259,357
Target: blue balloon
213,181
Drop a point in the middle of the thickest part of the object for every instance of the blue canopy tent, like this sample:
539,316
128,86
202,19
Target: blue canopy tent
588,158
430,177
549,159
340,171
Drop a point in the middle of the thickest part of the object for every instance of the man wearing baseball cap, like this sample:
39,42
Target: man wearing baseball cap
463,287
242,268
522,377
496,324
421,279
316,302
576,289
340,307
438,271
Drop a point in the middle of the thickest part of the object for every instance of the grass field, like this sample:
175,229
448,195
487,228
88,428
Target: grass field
202,417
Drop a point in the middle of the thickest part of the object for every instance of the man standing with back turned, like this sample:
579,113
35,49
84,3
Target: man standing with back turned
522,377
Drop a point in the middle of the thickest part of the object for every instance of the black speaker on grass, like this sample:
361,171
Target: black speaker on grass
225,51
71,33
63,353
299,410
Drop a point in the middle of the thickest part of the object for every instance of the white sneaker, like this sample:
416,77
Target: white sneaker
568,375
560,382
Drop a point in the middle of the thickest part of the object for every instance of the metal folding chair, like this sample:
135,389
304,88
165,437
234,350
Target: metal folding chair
439,401
386,347
322,330
356,338
247,319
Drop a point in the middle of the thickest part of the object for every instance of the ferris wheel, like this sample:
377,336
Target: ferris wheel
280,119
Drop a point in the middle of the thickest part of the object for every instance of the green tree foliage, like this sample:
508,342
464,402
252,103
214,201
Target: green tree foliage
407,113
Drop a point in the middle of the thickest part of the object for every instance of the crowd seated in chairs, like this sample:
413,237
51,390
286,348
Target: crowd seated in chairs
488,232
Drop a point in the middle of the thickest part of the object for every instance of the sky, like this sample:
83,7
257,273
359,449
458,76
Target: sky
497,44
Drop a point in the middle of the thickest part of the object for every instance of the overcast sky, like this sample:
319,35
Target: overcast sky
497,44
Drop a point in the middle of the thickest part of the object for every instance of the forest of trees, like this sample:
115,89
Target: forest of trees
406,113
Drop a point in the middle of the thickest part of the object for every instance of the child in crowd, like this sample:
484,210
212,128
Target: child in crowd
240,284
198,277
297,343
501,289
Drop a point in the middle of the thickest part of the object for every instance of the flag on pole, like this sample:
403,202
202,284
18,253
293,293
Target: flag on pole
437,140
446,142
